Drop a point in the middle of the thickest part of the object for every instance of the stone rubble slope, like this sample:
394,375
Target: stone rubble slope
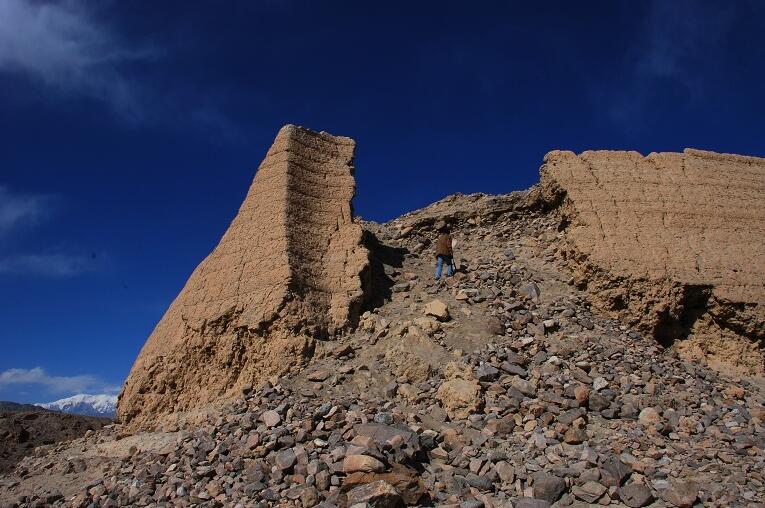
24,430
673,243
549,402
288,270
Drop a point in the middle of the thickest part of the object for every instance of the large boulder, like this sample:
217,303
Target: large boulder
460,394
414,357
288,270
438,309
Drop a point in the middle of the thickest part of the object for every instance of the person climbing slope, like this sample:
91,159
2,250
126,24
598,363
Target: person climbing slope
444,252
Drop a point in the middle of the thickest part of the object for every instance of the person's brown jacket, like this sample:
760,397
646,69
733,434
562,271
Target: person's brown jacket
444,245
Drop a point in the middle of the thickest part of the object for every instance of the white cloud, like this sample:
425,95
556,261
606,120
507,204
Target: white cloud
54,384
53,265
62,46
65,48
21,209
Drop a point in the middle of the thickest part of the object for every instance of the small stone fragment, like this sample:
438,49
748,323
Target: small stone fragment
478,482
599,383
309,496
614,471
531,291
581,394
319,375
575,436
486,372
379,494
505,471
590,492
363,463
635,495
271,418
530,502
495,327
597,402
649,417
548,487
285,459
681,494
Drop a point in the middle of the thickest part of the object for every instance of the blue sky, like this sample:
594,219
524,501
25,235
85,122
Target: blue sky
130,131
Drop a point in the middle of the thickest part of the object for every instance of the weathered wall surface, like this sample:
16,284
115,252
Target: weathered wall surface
288,269
673,241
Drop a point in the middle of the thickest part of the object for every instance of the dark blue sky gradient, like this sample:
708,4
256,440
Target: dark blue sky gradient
139,160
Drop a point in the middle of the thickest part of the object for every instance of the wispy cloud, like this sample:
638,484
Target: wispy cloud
51,265
18,210
213,123
681,46
62,46
55,384
22,211
66,48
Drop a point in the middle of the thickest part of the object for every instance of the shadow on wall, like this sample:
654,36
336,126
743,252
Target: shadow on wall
383,262
694,304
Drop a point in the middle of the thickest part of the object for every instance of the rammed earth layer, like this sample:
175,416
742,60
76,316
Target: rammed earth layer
673,242
288,270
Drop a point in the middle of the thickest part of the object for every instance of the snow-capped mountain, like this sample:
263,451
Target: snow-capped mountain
84,404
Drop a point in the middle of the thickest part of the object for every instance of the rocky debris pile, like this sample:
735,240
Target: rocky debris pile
273,445
498,387
23,430
287,271
659,242
473,209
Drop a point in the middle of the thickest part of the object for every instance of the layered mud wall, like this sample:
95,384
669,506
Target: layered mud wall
672,242
287,271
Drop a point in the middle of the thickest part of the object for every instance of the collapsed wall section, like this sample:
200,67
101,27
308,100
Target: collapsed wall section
287,271
674,242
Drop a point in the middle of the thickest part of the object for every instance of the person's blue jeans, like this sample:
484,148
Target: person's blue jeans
440,265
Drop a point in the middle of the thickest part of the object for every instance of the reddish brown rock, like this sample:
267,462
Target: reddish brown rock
406,481
287,270
681,494
363,464
379,494
581,394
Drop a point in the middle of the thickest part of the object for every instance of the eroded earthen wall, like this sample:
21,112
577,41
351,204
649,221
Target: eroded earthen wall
287,270
673,241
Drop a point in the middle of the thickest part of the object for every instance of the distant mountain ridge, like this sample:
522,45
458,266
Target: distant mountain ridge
14,407
85,404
